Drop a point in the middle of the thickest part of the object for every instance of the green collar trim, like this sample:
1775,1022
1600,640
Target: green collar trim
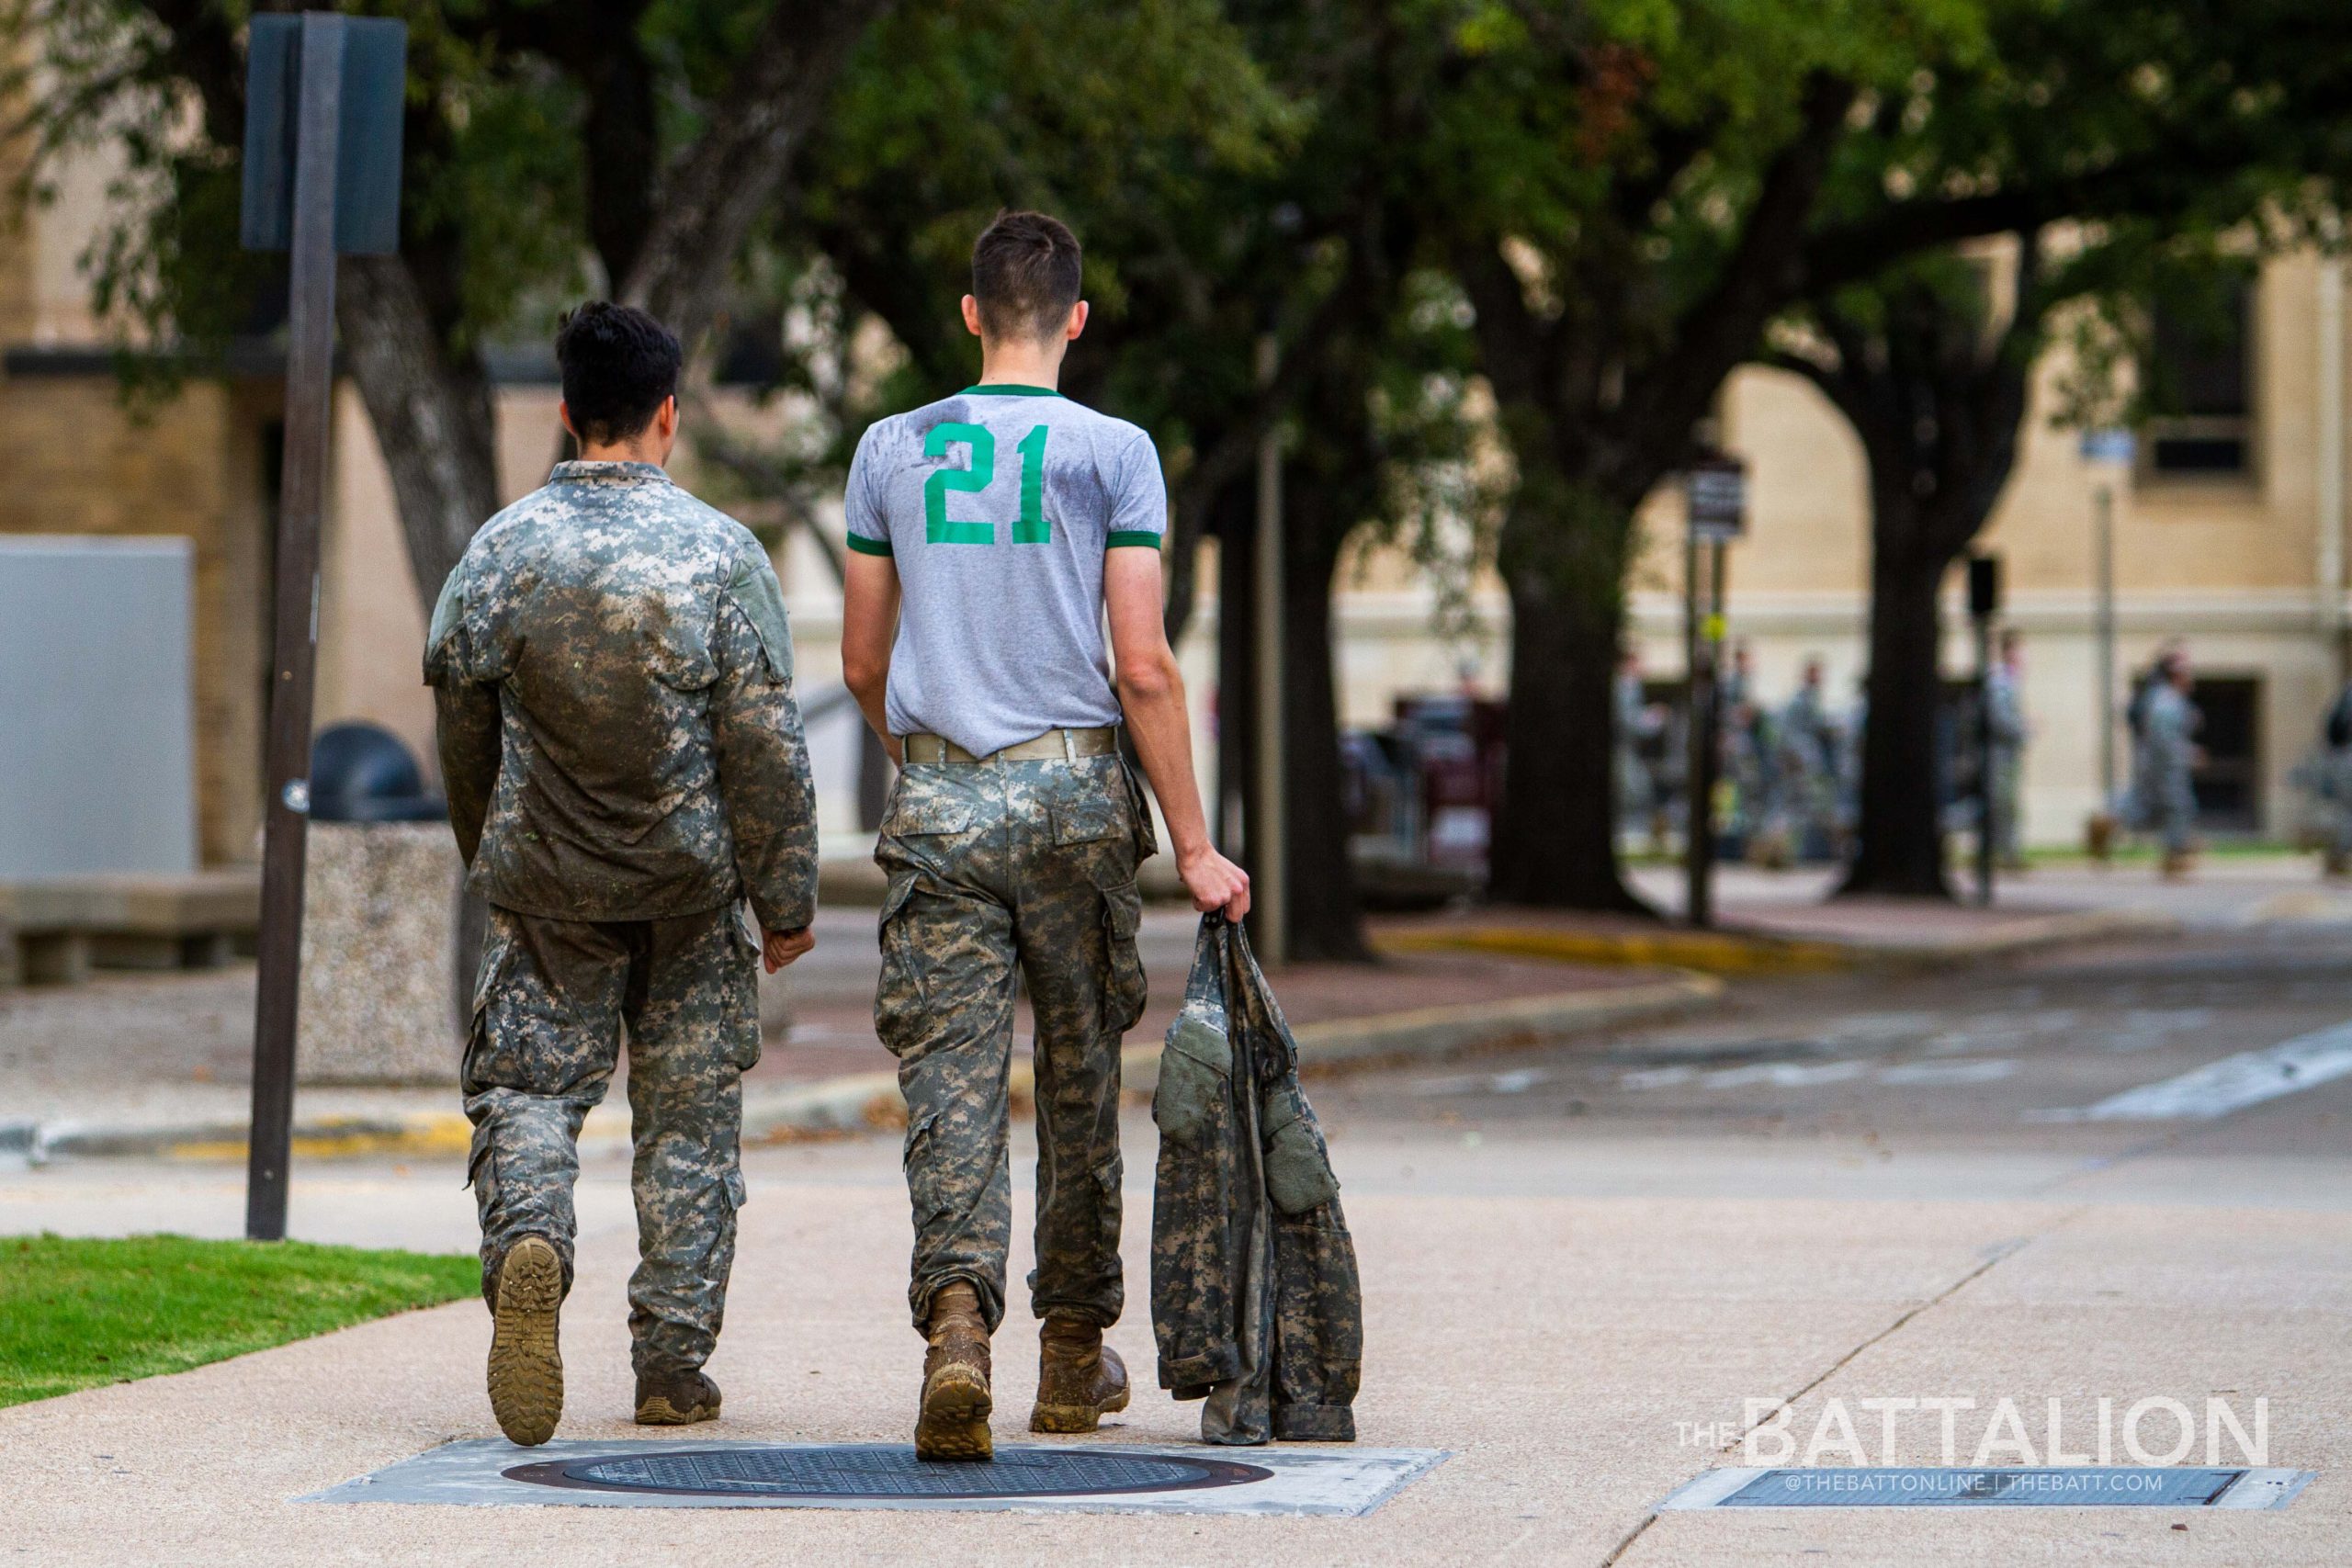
1009,389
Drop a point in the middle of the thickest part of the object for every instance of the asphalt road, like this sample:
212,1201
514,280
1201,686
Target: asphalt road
1968,1085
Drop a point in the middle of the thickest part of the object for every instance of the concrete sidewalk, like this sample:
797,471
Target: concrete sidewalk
1774,923
1563,1348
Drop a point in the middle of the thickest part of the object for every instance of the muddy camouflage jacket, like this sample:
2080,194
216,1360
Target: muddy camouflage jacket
1254,1294
612,674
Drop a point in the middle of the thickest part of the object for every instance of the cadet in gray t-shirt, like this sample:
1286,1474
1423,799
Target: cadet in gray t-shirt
990,534
996,505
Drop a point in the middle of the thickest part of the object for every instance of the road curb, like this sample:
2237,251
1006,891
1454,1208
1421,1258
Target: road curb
870,1102
867,1102
1734,952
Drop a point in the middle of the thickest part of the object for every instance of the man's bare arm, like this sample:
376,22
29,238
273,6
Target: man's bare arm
1151,693
870,624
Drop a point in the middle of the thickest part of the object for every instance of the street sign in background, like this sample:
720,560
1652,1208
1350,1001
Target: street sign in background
322,175
1716,491
368,140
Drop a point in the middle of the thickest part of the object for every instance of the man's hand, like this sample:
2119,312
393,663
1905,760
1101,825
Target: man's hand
1215,882
782,947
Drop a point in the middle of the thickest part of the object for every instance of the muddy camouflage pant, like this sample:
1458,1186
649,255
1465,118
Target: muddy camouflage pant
549,1012
997,869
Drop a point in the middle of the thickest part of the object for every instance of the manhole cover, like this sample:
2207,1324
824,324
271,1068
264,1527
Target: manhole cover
886,1471
2068,1486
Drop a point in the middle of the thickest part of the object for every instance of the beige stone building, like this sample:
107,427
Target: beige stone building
2228,533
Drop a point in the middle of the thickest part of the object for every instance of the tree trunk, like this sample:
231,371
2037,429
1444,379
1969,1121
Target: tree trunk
1325,919
1900,847
435,421
719,185
1554,840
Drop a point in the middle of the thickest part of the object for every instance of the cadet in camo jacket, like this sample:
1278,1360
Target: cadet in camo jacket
625,769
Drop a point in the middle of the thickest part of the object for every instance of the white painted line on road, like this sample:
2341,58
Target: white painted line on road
2230,1084
1979,1071
1519,1081
1787,1074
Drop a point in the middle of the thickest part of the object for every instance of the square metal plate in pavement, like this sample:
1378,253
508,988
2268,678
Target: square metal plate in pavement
2062,1487
488,1473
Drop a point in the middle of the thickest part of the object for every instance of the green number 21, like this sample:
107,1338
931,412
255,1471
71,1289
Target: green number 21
940,529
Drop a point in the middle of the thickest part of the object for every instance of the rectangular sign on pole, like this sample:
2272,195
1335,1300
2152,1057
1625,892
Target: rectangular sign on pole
1716,492
323,96
372,80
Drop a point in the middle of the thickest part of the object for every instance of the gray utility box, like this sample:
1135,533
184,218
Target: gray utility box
98,771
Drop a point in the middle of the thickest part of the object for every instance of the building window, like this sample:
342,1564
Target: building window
2201,378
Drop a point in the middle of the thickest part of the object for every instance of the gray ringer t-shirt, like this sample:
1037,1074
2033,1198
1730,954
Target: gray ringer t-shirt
998,505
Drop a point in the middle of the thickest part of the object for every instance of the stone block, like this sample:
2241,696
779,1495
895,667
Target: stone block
378,930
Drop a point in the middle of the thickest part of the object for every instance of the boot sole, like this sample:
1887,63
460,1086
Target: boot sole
954,1420
1075,1417
659,1412
526,1366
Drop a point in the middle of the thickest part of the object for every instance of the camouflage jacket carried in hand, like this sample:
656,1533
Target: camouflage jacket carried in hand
1254,1294
613,672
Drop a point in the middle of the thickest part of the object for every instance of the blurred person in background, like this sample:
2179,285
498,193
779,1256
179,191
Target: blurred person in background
1640,724
2162,800
2327,777
2005,704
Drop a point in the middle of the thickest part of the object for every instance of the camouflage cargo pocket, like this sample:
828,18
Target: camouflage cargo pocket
1298,1171
1193,1070
927,1183
739,987
1124,989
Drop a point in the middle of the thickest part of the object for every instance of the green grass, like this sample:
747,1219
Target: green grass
75,1313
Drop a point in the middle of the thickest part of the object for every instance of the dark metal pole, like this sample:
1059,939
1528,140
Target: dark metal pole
1988,792
1699,828
1695,685
309,383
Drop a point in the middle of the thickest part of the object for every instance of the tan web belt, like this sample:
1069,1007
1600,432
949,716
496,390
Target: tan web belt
1054,745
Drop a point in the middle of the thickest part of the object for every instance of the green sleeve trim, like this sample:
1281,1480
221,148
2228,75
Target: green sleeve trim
1140,536
1009,389
867,547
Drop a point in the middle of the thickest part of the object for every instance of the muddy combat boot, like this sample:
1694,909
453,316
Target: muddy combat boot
1080,1379
954,1423
676,1399
526,1366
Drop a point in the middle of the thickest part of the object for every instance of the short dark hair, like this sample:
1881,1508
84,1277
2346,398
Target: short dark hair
618,365
1024,275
